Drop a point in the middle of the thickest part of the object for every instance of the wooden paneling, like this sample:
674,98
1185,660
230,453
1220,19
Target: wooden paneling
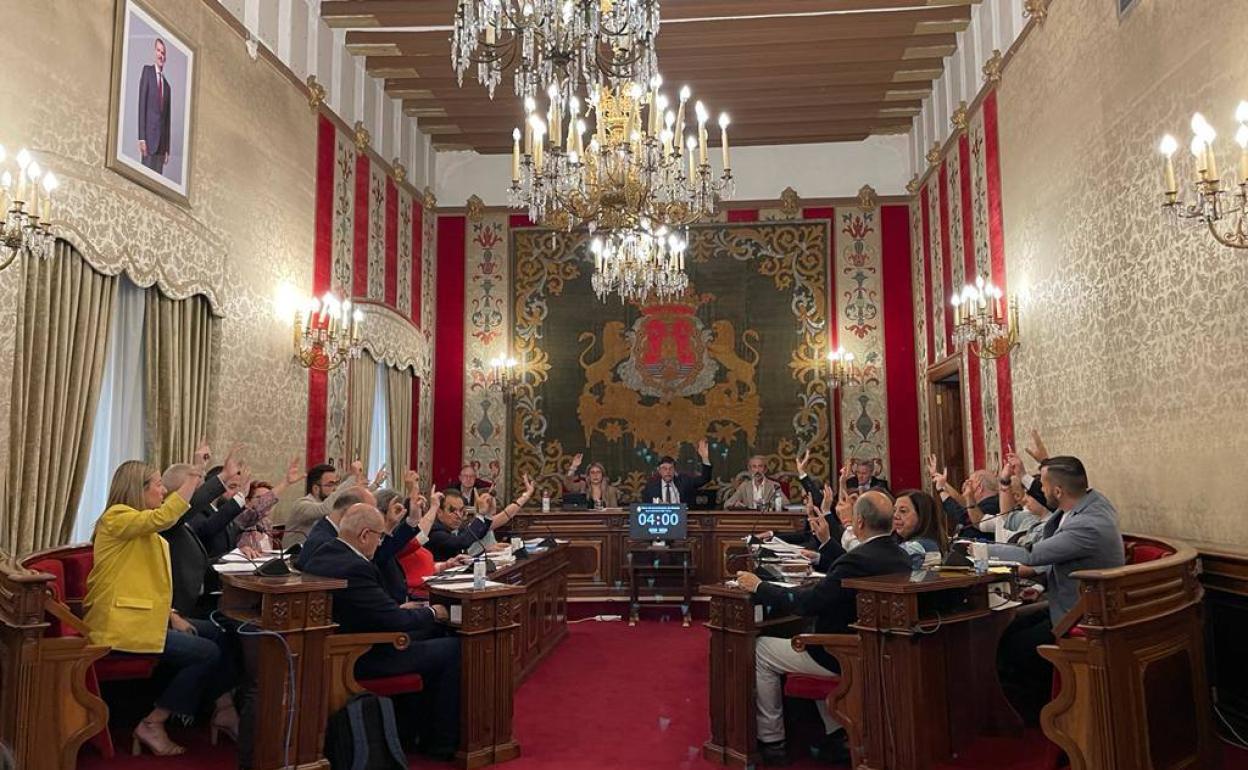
597,543
846,65
1224,574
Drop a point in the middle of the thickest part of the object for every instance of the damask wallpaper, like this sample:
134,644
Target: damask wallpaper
250,224
250,227
1134,352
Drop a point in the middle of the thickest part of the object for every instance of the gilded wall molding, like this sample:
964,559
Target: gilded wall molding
992,68
790,203
316,93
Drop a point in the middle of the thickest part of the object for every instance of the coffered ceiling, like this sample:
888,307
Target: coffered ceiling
787,71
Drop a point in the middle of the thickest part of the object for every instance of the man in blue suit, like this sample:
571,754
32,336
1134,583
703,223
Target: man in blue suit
155,102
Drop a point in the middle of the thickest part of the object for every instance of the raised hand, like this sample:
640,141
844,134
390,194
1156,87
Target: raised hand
529,485
704,451
819,526
357,470
232,466
1036,448
802,459
435,497
931,465
411,482
203,453
294,471
577,459
380,478
829,498
1016,464
845,511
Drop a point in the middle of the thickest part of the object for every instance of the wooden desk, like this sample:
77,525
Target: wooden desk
488,623
598,541
928,659
544,618
734,623
297,607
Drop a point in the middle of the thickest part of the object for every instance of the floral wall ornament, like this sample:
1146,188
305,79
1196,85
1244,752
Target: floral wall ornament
476,209
933,155
316,93
867,199
790,203
992,68
912,186
430,200
362,138
399,171
959,118
1037,10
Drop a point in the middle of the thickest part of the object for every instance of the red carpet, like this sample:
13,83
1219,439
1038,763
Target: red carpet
614,697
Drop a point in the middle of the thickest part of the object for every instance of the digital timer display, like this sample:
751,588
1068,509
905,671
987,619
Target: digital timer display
657,521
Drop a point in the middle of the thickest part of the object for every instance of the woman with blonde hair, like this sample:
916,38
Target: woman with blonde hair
129,602
598,490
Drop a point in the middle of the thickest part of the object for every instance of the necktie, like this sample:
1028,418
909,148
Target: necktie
667,492
160,88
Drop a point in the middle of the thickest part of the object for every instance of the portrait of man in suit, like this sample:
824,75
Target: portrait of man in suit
152,106
154,110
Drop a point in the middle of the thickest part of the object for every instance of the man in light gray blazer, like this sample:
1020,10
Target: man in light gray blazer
755,490
1081,534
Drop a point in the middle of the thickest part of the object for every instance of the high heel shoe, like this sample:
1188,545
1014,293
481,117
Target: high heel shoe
152,743
220,725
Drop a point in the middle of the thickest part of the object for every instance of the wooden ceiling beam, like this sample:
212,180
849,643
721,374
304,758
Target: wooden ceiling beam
511,110
354,14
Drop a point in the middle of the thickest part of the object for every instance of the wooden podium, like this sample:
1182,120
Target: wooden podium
734,622
928,660
487,621
296,608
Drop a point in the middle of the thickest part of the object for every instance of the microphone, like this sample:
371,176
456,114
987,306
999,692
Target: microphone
490,566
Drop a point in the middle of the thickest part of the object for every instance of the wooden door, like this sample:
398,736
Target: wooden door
947,435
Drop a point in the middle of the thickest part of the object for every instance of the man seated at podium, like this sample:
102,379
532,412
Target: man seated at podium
469,486
326,528
756,491
364,606
1082,533
668,486
833,609
451,536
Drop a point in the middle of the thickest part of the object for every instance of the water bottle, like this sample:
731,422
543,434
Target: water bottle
545,501
478,573
979,557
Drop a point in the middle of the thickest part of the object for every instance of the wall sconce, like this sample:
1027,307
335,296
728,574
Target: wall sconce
1210,205
327,333
984,322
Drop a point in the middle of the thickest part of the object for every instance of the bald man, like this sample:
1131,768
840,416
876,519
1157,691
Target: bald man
833,608
365,606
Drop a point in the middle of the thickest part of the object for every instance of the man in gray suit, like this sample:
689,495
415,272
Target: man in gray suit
1081,534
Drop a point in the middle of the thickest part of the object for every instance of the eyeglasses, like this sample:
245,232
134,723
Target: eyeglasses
380,535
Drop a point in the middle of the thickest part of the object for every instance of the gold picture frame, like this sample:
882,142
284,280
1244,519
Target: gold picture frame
152,99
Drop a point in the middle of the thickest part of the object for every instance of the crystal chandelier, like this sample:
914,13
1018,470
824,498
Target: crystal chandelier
639,264
327,334
637,165
1210,205
555,42
982,320
27,209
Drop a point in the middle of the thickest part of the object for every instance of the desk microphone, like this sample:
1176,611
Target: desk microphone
490,566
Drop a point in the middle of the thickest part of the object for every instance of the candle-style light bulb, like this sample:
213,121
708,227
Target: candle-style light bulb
723,140
23,158
1241,112
1169,145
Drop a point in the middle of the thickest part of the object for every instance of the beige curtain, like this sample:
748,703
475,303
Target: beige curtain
58,365
178,345
363,392
399,396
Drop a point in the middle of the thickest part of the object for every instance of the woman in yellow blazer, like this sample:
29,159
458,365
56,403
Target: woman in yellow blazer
129,593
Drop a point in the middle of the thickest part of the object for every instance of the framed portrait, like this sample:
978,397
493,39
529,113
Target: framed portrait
152,106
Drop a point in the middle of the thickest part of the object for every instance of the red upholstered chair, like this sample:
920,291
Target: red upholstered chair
70,566
806,687
341,653
391,686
